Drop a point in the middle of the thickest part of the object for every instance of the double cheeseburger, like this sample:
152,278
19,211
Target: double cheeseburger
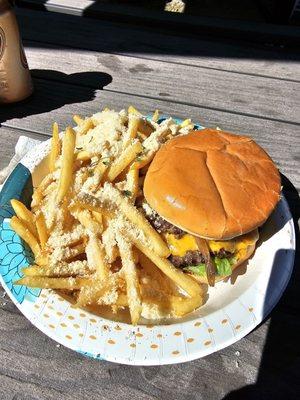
207,193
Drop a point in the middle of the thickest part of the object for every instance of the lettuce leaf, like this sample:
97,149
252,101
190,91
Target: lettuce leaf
223,266
196,269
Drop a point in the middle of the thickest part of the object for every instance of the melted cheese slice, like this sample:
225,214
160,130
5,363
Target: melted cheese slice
179,247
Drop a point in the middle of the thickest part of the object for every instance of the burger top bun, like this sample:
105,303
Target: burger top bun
213,184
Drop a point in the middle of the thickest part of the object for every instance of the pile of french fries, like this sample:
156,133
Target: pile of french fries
85,228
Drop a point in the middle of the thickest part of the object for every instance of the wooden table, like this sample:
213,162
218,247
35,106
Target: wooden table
79,65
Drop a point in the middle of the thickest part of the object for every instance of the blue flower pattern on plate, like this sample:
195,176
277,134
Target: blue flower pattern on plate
14,256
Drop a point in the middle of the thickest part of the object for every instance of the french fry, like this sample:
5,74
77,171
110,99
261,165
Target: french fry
24,215
133,110
41,229
22,230
131,278
184,281
43,282
145,127
62,269
85,126
65,179
185,123
38,194
182,306
156,274
85,218
99,218
55,147
77,119
155,116
132,184
83,156
133,125
96,258
127,156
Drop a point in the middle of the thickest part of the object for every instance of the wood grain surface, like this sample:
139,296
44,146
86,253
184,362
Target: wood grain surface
80,66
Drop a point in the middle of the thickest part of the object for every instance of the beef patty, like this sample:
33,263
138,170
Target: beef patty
191,257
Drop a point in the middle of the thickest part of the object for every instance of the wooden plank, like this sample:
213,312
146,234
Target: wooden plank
56,101
263,60
217,27
206,88
224,91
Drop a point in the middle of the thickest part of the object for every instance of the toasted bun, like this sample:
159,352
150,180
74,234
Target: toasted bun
203,279
213,184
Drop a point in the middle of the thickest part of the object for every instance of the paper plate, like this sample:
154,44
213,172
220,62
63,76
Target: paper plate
231,311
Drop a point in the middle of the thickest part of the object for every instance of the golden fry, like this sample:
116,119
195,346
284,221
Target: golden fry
55,147
96,258
133,124
24,215
18,226
132,184
65,179
62,269
83,156
41,229
155,116
85,126
131,278
77,119
128,155
43,282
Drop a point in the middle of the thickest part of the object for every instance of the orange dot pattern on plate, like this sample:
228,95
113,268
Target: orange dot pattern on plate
69,337
190,340
197,324
51,326
36,306
92,320
237,327
63,325
46,315
110,341
51,307
92,337
159,335
80,335
59,313
82,315
43,296
76,326
177,333
250,309
132,345
207,343
71,317
210,330
175,352
138,334
118,328
154,346
224,321
149,326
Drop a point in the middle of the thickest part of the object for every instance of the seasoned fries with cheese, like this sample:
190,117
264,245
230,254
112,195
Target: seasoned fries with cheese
87,228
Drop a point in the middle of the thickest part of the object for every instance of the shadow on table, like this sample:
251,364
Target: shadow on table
63,88
278,376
